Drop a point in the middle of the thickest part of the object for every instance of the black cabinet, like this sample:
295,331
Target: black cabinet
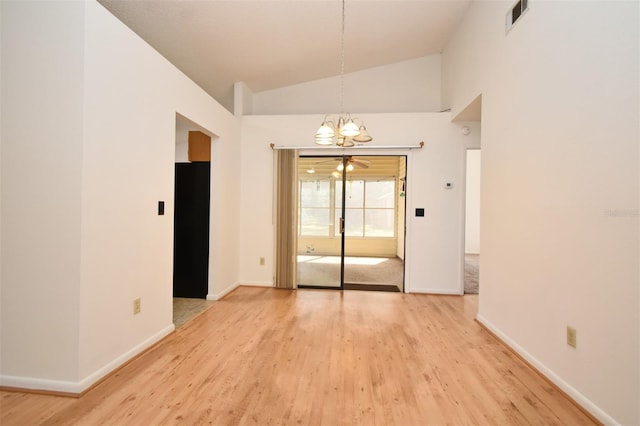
191,230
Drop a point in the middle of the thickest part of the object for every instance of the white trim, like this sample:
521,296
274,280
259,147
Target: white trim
40,384
463,224
584,402
463,219
408,223
257,284
223,293
90,380
436,291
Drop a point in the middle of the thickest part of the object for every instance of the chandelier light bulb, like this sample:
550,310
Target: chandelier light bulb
325,131
350,129
324,140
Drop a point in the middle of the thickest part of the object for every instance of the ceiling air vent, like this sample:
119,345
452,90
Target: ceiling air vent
516,12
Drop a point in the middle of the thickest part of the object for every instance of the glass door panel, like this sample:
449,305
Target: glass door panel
373,208
319,238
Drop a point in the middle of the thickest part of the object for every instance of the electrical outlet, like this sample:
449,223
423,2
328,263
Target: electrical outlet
572,338
136,306
262,261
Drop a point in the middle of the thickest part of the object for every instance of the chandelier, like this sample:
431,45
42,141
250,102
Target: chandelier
342,130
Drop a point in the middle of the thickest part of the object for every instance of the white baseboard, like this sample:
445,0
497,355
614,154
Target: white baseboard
435,291
257,284
84,384
223,293
33,384
584,402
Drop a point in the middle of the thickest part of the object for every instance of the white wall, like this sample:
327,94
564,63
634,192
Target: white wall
41,188
560,188
182,140
434,243
128,249
472,203
94,241
182,152
242,99
407,86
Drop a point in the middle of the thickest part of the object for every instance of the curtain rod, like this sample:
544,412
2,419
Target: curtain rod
357,148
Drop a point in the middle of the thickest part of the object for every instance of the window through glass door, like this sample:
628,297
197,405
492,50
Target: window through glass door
319,237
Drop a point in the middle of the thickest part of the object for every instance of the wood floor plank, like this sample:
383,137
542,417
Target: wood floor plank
310,357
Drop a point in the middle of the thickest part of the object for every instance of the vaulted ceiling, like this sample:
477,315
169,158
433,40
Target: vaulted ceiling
276,43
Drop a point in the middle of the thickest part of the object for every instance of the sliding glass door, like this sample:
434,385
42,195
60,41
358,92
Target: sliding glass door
351,222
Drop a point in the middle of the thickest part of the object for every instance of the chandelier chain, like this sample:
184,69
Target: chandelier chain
342,61
343,130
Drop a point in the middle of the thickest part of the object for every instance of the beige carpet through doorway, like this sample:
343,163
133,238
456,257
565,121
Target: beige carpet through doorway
325,271
471,273
184,309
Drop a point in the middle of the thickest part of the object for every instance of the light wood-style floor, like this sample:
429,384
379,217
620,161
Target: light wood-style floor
269,357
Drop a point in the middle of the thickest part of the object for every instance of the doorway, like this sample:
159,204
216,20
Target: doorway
191,220
351,222
472,222
191,230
